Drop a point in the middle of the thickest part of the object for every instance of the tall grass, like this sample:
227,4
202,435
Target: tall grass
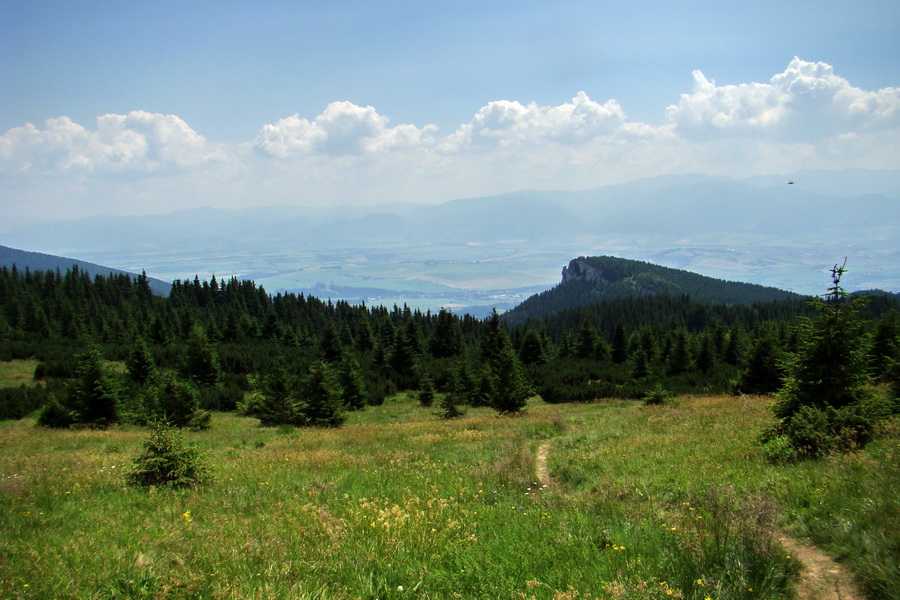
17,372
650,503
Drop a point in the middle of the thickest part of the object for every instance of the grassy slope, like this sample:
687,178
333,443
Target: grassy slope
17,372
651,503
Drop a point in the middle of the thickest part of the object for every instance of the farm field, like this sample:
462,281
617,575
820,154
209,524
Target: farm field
662,502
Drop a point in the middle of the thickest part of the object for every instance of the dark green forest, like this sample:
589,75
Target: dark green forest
109,350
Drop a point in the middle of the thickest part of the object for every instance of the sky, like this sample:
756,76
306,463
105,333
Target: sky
110,107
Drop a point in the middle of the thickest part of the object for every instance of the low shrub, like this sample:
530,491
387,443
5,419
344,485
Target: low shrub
168,461
15,403
659,396
55,415
818,431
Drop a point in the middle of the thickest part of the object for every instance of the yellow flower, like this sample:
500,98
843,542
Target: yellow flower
699,582
187,516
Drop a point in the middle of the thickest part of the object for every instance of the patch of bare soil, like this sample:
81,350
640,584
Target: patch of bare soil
821,578
540,464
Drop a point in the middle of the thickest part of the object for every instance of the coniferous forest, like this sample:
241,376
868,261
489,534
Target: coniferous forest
285,358
294,447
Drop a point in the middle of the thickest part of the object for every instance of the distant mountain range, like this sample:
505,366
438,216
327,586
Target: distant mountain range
496,251
35,261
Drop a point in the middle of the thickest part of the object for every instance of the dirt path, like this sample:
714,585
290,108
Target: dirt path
540,464
821,578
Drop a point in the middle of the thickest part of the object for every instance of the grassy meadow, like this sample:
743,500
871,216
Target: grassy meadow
662,502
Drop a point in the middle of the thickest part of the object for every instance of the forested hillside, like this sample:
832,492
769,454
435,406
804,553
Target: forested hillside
226,345
38,261
588,280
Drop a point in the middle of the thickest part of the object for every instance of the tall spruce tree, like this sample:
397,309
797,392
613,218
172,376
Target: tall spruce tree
140,364
763,370
320,397
504,377
825,403
94,393
446,339
200,361
353,387
273,399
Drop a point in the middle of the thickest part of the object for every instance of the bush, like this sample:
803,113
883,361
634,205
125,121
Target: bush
778,449
15,403
658,396
55,415
168,461
175,402
816,432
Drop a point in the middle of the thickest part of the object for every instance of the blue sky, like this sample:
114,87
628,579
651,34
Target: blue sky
135,107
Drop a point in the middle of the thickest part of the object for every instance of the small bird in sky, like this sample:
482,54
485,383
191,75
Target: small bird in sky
790,182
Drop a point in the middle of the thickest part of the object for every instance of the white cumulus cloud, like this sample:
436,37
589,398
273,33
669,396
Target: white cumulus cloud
342,128
805,102
505,122
137,141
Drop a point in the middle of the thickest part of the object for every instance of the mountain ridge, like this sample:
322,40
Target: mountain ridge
38,261
757,230
588,280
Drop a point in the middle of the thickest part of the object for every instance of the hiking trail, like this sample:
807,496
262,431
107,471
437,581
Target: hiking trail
820,578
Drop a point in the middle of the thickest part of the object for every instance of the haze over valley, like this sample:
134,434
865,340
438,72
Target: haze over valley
473,254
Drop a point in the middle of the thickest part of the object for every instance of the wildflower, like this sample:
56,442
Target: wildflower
187,517
699,582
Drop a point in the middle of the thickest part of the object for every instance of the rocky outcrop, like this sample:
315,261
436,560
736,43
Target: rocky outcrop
579,270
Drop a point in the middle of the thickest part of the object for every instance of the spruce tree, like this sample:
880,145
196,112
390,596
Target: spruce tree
830,367
94,394
274,399
200,361
533,351
353,387
168,460
446,340
176,403
140,364
588,338
763,370
679,360
426,392
619,351
510,386
320,397
825,403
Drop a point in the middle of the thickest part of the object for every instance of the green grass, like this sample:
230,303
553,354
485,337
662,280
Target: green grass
17,372
649,503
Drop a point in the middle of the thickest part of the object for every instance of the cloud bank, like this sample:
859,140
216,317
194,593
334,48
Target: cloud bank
805,117
807,102
138,141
